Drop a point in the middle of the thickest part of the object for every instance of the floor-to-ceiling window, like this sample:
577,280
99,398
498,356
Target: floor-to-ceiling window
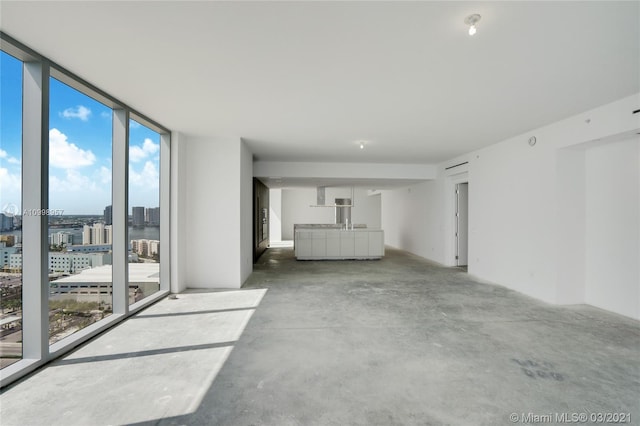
144,211
84,197
11,205
80,229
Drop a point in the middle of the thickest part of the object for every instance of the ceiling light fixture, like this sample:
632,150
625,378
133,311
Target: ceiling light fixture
361,145
472,20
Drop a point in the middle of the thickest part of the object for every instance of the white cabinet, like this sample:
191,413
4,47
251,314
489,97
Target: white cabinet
333,245
318,244
347,244
303,244
361,244
339,244
376,244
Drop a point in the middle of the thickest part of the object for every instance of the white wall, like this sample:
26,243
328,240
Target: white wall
212,213
296,209
514,210
612,212
415,208
246,211
178,214
297,202
367,209
512,216
571,227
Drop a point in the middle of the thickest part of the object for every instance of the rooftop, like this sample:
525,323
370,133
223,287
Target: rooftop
138,272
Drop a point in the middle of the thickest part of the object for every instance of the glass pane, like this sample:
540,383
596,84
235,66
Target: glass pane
144,212
80,233
11,214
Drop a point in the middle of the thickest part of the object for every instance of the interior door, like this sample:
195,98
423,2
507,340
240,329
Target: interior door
462,223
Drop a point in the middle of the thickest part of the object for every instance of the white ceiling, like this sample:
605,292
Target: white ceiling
302,81
310,182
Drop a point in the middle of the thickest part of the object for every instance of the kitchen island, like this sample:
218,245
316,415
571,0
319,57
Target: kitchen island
334,244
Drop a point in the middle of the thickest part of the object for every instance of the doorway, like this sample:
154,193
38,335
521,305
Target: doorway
462,223
260,218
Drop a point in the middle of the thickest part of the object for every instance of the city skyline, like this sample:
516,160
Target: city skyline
80,130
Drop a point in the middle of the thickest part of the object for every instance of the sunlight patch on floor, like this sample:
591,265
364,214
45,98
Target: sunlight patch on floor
159,363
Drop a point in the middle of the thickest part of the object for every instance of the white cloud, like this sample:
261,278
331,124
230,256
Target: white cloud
77,193
105,114
144,185
80,112
134,124
104,174
5,156
72,181
148,178
139,153
66,155
10,183
10,186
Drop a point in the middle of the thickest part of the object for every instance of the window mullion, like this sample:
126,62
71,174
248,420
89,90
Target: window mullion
35,183
120,210
165,176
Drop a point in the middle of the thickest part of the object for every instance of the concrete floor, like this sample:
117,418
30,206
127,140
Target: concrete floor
392,342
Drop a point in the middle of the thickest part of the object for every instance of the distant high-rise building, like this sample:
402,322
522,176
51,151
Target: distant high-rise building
145,248
108,215
86,234
6,222
61,238
153,216
9,240
5,255
135,246
154,247
98,233
138,216
108,234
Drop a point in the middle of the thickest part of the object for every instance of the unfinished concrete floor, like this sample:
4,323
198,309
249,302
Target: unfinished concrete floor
390,342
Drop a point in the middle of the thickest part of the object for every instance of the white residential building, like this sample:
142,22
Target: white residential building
61,238
145,247
5,255
66,263
98,233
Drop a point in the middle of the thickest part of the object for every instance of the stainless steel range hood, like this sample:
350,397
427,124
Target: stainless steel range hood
343,211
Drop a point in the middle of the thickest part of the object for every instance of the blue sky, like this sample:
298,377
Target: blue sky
80,149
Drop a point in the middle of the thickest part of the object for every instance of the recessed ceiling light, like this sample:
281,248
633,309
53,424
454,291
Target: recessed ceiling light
472,20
